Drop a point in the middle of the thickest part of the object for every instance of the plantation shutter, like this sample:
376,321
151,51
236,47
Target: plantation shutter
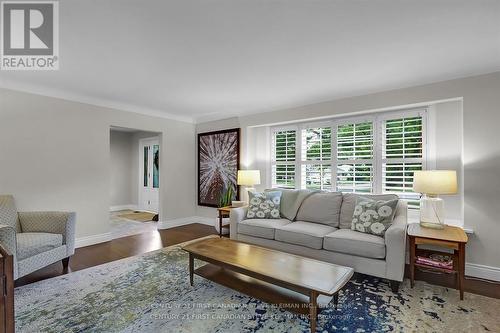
402,155
316,151
284,158
355,157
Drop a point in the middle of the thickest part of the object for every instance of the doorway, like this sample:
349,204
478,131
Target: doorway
149,174
134,181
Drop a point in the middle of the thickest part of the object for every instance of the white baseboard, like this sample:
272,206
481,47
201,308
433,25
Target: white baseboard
101,238
91,240
122,207
185,220
482,271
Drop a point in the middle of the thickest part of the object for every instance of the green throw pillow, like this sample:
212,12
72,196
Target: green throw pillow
264,205
373,217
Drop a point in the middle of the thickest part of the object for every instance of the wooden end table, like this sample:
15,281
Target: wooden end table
451,238
223,212
7,289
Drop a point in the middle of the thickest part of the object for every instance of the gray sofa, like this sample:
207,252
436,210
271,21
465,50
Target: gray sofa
36,239
321,229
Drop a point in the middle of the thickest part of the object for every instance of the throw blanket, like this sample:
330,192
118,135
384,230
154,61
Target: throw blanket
291,201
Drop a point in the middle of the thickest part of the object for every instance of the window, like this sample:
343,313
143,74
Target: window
284,151
371,154
402,154
355,157
316,166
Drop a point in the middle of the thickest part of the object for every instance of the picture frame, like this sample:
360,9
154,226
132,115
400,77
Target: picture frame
218,164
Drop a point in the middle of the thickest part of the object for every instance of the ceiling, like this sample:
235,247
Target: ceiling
197,60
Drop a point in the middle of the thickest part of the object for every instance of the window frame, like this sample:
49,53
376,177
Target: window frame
420,112
303,161
378,160
273,160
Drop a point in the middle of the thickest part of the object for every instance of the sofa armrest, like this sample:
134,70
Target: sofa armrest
8,241
52,222
395,242
236,216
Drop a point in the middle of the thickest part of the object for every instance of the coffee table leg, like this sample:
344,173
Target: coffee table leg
336,300
313,310
191,269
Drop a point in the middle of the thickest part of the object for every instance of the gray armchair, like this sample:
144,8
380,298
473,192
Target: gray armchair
36,239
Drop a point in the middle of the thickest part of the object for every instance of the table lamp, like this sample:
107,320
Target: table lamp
432,183
249,178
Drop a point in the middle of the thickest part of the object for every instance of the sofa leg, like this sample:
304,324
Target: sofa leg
65,263
394,286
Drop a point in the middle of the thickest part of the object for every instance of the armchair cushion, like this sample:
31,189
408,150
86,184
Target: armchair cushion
8,212
32,243
62,223
8,239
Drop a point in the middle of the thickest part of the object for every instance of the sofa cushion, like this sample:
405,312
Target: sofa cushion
373,216
349,202
32,243
355,243
264,205
291,201
321,207
263,228
303,233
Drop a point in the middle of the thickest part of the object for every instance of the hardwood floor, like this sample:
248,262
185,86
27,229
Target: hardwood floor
120,248
471,284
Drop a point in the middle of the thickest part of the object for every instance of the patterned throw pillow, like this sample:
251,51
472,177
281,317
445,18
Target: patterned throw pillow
264,205
373,217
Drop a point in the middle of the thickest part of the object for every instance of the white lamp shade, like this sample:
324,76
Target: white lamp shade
435,182
248,177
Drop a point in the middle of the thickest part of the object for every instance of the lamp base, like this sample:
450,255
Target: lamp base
431,225
431,212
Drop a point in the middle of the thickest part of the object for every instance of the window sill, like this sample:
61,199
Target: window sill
414,217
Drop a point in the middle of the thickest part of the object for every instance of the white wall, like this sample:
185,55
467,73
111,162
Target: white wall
54,155
481,153
448,145
121,187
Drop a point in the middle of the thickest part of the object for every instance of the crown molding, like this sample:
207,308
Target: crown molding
87,99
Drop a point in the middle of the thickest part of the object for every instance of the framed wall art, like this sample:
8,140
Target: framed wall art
218,164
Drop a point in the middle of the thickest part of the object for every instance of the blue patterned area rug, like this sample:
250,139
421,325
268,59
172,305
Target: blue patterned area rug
151,293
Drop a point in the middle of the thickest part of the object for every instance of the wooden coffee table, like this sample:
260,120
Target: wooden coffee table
290,281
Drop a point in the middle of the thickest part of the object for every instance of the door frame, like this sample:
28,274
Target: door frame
141,172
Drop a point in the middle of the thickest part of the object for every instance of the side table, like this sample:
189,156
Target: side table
451,238
223,212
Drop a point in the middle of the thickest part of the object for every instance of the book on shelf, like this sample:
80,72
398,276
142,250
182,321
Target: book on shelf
444,264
